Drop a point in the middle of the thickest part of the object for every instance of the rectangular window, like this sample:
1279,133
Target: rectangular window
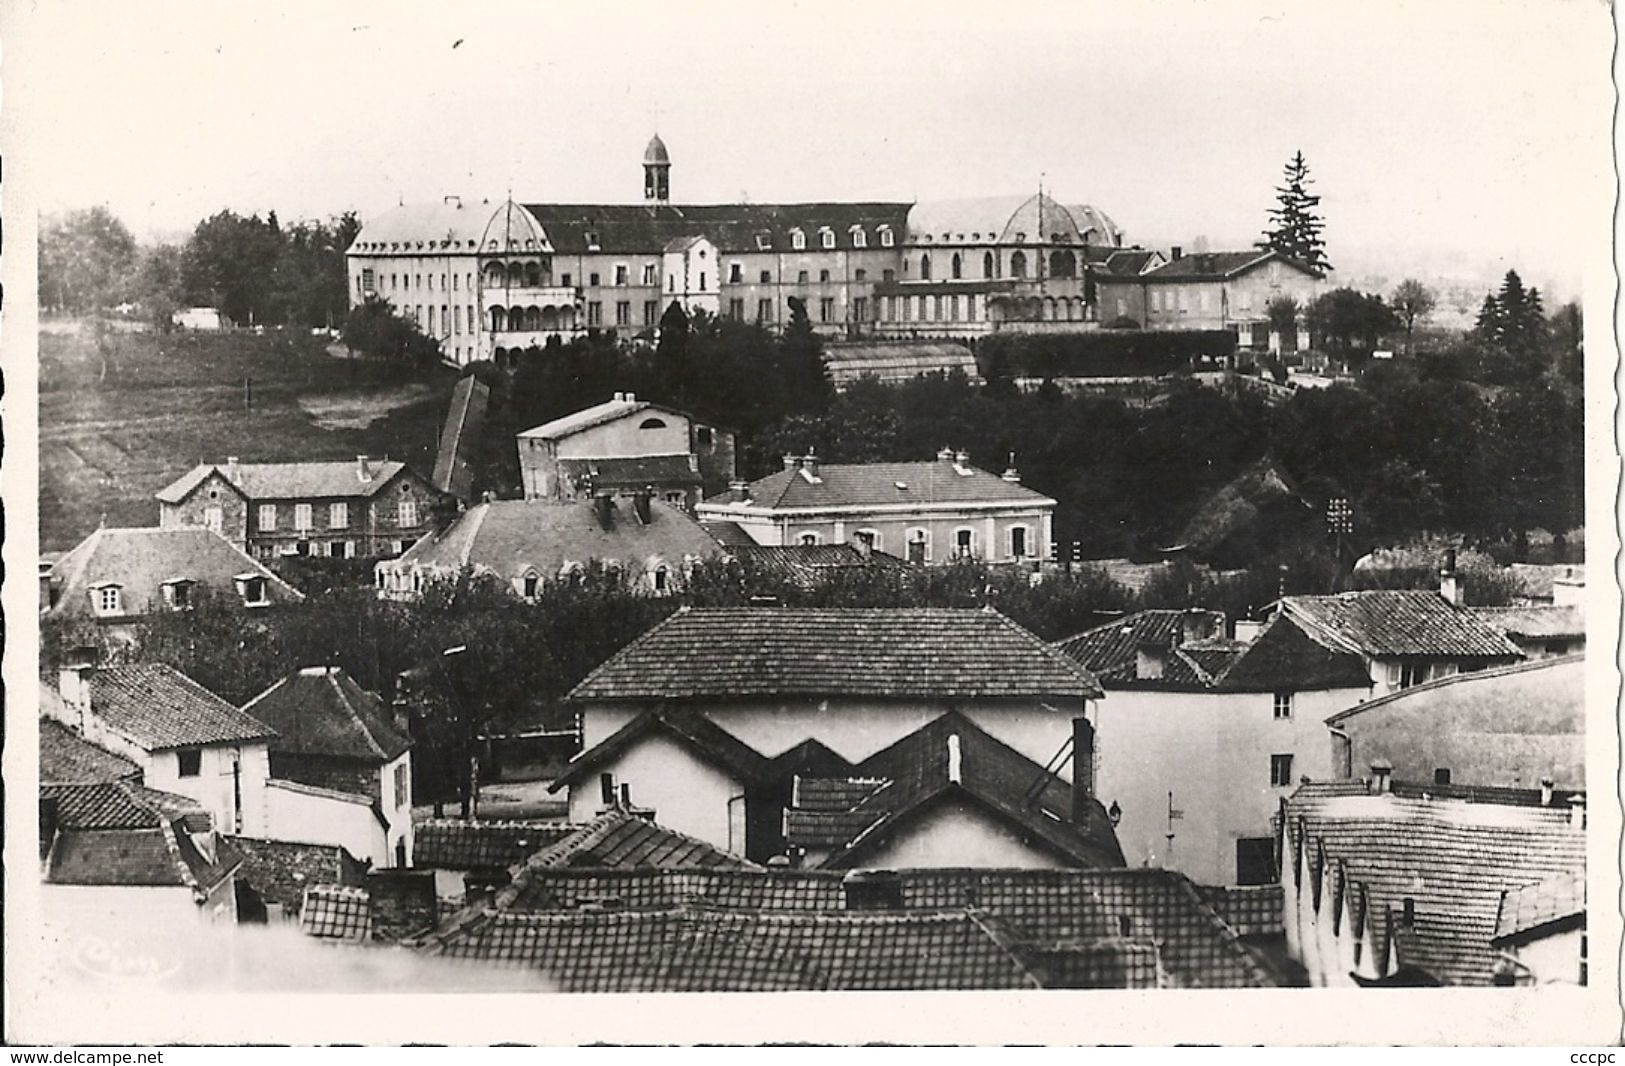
595,313
1255,861
339,549
267,516
823,277
826,309
764,310
472,326
1018,542
592,242
736,273
402,788
338,515
736,308
188,762
859,238
1280,770
1283,705
860,274
650,309
214,518
767,277
178,594
1441,775
108,599
860,309
827,238
801,277
564,279
301,517
623,312
457,320
431,320
671,283
592,280
408,515
648,273
454,286
253,591
964,543
970,308
620,273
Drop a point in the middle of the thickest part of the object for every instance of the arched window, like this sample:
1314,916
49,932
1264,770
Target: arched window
989,265
499,320
925,268
516,274
964,543
1062,264
652,423
1018,265
957,266
533,275
531,584
868,539
807,540
661,578
1021,542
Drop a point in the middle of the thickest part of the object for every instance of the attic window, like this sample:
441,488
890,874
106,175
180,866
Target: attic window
532,585
108,599
252,589
178,593
885,237
764,242
902,486
860,239
798,240
592,240
652,423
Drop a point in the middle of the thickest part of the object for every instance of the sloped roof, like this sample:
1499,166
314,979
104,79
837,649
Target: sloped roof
807,564
1453,859
695,950
691,729
1212,266
513,537
1036,910
161,708
1533,907
140,561
337,912
1111,650
66,758
586,418
728,534
617,839
1535,622
1129,262
743,652
460,439
322,711
453,844
119,805
951,758
898,361
281,870
158,856
291,481
647,227
842,486
412,225
632,472
1285,658
1550,692
1391,622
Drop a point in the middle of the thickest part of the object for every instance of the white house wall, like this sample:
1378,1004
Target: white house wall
686,794
956,834
309,818
211,786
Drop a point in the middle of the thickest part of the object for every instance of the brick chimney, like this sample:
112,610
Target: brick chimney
946,455
809,464
739,490
1175,254
1449,580
1577,811
73,685
1011,474
1547,786
1382,777
791,462
234,473
363,467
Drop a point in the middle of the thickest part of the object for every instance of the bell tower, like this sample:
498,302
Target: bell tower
656,172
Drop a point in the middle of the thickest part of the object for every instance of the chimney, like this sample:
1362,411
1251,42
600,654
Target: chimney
604,507
791,461
955,764
1382,774
234,473
946,455
872,890
1247,630
739,490
1449,580
809,463
1176,253
626,797
363,467
1083,768
1010,473
1568,591
1577,811
631,397
1197,625
73,685
1546,787
641,505
962,458
1150,660
606,789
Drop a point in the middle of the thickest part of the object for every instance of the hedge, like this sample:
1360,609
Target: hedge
1119,353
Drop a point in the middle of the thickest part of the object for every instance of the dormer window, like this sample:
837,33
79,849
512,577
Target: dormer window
532,585
592,240
178,593
251,587
764,242
107,599
860,239
798,240
661,578
885,237
826,237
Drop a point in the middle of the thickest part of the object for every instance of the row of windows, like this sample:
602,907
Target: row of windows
408,282
320,549
826,238
931,308
451,319
338,516
178,595
1019,542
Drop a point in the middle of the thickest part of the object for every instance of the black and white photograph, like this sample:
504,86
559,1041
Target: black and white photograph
1057,521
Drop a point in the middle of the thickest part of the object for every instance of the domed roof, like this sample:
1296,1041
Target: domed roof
1030,219
656,152
512,229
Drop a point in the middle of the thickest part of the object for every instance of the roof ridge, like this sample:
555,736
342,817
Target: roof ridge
354,712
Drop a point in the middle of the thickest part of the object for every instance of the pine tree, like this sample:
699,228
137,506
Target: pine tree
1295,227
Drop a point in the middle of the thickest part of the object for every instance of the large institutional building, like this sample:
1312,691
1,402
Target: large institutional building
488,281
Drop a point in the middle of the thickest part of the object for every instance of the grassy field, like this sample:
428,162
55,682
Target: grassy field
115,427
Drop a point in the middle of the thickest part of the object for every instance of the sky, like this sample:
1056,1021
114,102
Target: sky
1437,132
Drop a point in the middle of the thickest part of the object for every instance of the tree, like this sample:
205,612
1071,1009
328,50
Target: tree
85,260
375,329
1412,301
1295,226
1349,320
1282,313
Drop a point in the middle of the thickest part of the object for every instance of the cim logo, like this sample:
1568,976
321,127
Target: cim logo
120,960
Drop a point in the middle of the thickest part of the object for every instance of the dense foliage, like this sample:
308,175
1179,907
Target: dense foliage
1003,356
1295,227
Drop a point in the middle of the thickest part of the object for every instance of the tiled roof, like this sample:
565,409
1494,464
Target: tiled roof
1532,907
336,912
1545,621
646,228
449,844
416,223
805,565
617,839
119,805
632,472
322,711
291,481
1453,859
1038,909
460,440
880,652
158,856
846,486
1211,266
1387,622
691,729
895,362
698,950
281,870
1285,658
946,760
1129,262
728,534
514,537
1111,651
140,561
161,708
66,758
